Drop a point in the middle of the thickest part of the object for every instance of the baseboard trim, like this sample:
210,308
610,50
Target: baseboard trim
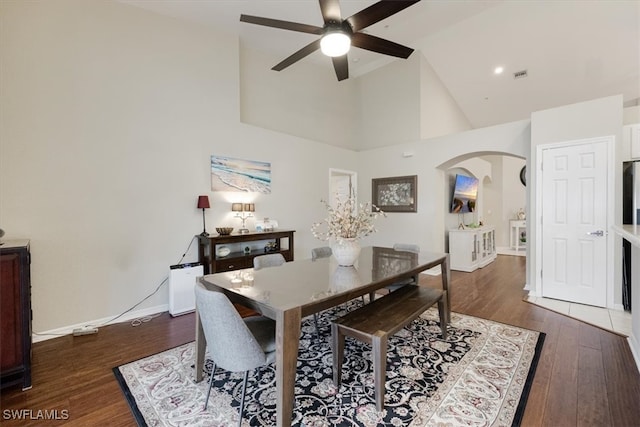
97,323
501,250
635,349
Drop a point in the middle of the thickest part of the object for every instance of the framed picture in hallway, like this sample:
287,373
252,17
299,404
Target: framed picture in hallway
395,194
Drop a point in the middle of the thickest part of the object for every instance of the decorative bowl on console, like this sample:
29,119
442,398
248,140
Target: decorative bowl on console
223,251
223,231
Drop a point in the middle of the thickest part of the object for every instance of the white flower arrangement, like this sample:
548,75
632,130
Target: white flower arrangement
347,221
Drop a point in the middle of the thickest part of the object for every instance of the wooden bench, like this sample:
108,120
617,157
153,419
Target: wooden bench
375,322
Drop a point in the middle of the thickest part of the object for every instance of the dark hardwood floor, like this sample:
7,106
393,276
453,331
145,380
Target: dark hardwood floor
586,376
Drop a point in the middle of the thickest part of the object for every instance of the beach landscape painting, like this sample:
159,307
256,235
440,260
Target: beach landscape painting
230,174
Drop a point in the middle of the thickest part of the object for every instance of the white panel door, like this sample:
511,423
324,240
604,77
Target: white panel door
574,223
342,185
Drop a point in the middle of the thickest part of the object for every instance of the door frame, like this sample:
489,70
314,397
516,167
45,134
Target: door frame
611,199
353,176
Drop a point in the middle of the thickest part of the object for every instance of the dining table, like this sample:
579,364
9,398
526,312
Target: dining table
297,289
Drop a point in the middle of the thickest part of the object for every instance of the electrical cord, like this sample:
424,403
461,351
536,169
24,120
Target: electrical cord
140,320
135,305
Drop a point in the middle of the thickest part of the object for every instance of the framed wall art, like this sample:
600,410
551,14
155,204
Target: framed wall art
395,194
230,174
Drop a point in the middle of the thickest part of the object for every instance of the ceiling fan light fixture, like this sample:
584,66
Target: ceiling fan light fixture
334,36
335,43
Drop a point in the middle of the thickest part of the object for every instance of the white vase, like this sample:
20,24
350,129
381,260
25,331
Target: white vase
346,251
344,278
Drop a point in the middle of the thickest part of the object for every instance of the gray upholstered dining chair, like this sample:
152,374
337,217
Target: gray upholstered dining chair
321,252
404,247
269,260
235,344
275,260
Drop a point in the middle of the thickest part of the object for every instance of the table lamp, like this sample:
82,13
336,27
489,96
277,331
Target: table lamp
203,203
243,211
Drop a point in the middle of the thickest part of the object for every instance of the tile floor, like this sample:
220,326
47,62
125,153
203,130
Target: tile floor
613,320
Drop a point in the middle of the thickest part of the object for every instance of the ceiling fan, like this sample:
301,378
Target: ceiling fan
338,35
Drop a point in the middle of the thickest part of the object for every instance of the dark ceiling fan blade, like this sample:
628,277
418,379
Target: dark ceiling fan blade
341,65
351,26
377,12
308,49
284,25
330,11
376,44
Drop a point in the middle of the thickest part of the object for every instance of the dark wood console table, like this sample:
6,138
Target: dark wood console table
213,262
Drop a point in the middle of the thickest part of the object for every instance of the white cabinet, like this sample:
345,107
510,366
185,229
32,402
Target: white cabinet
487,240
631,142
517,234
471,248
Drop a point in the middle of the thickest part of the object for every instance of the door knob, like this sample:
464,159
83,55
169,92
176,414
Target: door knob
598,233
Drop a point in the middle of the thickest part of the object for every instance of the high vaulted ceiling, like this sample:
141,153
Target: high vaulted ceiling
572,51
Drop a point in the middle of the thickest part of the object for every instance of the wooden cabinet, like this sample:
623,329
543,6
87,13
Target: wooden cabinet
226,253
15,314
471,248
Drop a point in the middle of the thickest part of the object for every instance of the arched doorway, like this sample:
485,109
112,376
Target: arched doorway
501,194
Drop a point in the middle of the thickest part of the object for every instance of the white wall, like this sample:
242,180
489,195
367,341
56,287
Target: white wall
302,100
400,102
439,113
109,116
492,197
431,158
479,168
631,115
504,196
405,101
514,195
389,104
596,118
501,194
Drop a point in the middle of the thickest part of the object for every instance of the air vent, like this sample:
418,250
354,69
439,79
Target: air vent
520,74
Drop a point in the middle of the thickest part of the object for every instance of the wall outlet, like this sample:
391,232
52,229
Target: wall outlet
85,330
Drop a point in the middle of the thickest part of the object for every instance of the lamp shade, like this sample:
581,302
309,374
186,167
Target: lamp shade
249,207
203,202
236,207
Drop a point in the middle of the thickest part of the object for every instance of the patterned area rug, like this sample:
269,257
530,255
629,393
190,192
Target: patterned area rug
479,376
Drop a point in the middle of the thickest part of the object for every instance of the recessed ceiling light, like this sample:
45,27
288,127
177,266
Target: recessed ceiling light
498,70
